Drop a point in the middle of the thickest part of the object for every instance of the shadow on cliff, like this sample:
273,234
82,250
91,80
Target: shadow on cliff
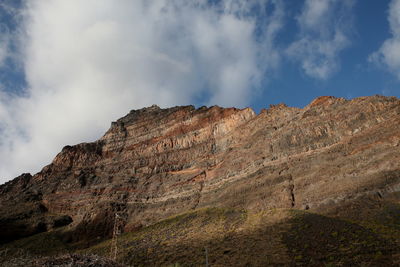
285,237
314,239
239,238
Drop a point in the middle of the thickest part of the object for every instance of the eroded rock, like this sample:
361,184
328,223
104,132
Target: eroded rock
154,163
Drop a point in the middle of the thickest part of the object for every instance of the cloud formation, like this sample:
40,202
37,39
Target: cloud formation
325,27
89,62
389,53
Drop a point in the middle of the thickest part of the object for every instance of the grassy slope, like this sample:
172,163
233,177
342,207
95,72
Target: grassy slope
367,237
231,237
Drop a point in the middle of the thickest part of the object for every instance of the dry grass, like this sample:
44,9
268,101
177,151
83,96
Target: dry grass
241,238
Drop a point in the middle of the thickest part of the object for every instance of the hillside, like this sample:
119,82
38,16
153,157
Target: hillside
289,186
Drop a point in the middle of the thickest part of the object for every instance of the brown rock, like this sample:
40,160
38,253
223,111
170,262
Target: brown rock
154,163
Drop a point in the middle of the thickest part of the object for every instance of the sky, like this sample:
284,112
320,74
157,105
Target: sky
70,67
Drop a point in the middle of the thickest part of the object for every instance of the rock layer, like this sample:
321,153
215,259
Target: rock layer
154,163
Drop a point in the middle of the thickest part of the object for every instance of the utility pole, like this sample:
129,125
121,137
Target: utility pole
206,256
116,232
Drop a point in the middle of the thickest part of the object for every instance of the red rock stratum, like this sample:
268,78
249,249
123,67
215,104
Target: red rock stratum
154,163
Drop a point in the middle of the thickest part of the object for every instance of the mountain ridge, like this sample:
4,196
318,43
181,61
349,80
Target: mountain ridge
155,163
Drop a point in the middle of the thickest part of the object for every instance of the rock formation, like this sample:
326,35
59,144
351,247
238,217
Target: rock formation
154,163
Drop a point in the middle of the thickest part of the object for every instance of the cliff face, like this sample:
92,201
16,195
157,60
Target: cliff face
154,163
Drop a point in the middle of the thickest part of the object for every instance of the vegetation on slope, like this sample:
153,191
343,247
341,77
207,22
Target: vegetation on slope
242,238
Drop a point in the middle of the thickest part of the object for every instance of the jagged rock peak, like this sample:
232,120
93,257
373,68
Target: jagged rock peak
325,101
155,112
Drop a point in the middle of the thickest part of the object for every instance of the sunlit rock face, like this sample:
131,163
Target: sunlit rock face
154,163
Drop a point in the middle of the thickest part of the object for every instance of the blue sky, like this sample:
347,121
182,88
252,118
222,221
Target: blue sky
356,76
68,68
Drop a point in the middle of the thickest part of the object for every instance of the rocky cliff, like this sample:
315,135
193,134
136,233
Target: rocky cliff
154,163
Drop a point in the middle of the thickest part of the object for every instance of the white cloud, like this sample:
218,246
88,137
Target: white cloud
324,33
89,62
389,53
